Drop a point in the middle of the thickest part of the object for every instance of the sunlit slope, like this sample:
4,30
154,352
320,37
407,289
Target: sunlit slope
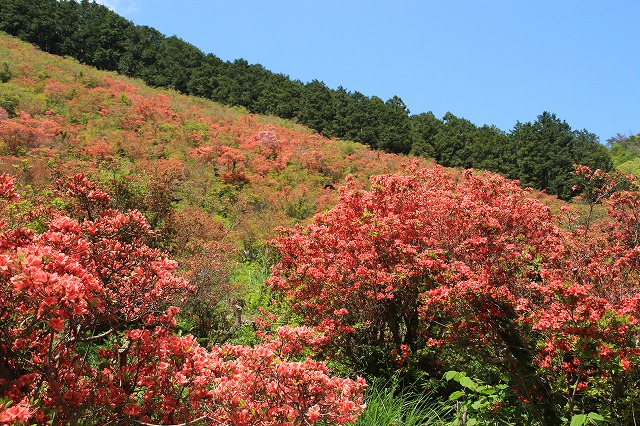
177,158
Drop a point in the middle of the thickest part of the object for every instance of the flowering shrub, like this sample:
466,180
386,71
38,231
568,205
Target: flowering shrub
20,134
264,385
359,269
424,259
86,334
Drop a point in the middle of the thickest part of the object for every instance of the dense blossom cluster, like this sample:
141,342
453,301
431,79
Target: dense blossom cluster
367,261
425,259
25,132
86,332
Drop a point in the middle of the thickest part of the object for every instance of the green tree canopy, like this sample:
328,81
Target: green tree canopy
546,150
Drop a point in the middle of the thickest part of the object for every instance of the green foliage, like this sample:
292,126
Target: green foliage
424,128
252,275
395,133
480,403
5,72
546,150
453,141
587,419
540,154
11,95
316,107
390,405
630,166
300,207
625,153
474,403
623,148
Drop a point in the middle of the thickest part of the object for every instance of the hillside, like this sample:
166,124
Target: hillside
458,282
539,153
172,156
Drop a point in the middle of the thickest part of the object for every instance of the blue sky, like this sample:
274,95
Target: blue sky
489,61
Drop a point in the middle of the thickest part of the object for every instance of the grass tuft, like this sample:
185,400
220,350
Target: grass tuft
388,405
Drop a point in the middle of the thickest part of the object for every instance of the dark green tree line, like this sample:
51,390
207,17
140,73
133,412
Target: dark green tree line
544,152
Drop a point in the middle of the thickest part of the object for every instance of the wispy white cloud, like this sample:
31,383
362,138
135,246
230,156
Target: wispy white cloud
122,7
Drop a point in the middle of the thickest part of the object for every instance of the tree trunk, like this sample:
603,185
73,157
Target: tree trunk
524,375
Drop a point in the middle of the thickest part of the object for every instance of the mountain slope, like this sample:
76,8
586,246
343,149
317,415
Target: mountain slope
539,154
172,156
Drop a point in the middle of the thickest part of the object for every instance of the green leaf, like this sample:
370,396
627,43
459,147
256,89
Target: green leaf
472,421
450,375
596,417
487,390
476,404
578,420
455,395
467,383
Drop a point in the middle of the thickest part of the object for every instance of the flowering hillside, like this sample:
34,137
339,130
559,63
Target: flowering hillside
171,156
137,227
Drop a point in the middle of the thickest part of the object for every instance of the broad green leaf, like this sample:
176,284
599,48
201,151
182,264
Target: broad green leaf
477,404
578,420
450,375
486,390
455,395
467,383
596,417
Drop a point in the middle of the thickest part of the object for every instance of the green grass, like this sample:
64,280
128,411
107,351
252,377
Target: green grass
387,405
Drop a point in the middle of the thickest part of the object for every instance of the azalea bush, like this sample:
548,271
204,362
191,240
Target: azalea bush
427,268
87,322
359,270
